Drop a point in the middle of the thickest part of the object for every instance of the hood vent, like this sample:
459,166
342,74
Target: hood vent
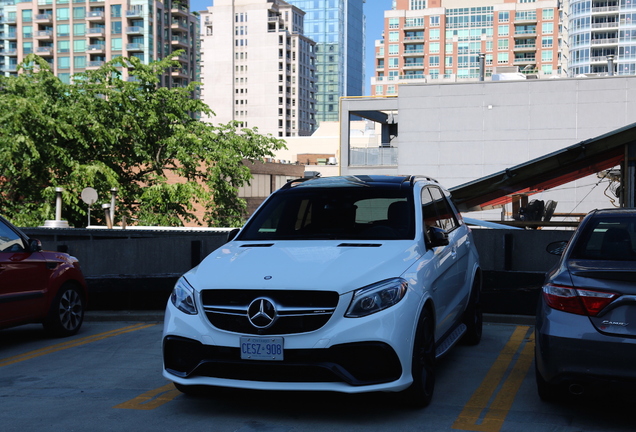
360,245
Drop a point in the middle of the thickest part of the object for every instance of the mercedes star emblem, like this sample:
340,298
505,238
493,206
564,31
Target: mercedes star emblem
262,313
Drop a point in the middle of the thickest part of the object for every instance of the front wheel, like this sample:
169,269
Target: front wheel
66,313
420,393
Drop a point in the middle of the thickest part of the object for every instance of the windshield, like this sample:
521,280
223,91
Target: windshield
607,239
334,213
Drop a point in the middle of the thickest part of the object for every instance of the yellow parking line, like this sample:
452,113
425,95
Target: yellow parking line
70,344
512,364
151,399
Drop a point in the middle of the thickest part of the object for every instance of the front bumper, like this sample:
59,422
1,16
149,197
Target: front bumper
570,349
350,355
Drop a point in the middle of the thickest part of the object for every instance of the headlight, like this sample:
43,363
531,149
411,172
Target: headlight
182,297
376,297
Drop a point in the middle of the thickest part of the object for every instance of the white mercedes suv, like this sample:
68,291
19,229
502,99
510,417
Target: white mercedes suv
347,284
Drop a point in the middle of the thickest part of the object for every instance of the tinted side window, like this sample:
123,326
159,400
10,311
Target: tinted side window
9,240
436,210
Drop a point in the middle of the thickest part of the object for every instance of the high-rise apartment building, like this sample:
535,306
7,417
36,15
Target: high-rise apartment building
602,28
257,66
338,28
77,35
430,40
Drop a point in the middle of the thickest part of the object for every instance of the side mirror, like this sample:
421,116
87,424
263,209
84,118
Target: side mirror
35,245
232,234
557,247
437,237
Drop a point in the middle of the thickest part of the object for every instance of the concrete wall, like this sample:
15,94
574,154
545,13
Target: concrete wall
136,269
457,133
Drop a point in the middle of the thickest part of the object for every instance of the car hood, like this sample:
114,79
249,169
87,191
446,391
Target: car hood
340,266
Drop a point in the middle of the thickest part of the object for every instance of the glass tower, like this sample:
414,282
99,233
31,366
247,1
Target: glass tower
337,27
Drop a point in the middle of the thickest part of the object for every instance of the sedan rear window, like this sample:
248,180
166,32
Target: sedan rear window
612,239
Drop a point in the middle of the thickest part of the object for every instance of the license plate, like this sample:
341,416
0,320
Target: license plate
261,348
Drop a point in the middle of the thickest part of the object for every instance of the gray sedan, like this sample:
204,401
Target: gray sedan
586,318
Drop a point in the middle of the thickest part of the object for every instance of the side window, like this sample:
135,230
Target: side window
436,210
9,240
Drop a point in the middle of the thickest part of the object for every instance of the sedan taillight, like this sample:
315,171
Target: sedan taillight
575,300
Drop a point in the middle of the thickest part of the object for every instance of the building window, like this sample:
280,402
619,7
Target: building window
546,56
116,44
64,46
547,28
63,62
547,14
79,45
27,15
434,21
62,14
115,11
433,34
394,36
79,29
503,44
433,61
547,42
433,47
394,62
417,4
27,31
79,61
504,16
79,12
394,23
63,30
503,30
394,49
502,58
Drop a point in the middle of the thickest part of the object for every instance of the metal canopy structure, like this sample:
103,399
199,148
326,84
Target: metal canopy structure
560,167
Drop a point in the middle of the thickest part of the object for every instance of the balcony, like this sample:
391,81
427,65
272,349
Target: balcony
95,16
413,39
135,46
44,51
414,26
605,25
413,53
525,47
179,25
134,13
43,35
96,64
43,19
411,66
525,33
526,19
604,41
96,49
9,52
179,10
180,41
135,30
95,32
179,73
525,60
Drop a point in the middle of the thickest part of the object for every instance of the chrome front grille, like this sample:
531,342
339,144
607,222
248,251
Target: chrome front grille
268,312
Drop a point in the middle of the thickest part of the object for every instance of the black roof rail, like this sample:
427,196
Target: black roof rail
293,182
414,178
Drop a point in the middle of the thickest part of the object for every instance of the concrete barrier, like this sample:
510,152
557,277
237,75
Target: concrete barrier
136,269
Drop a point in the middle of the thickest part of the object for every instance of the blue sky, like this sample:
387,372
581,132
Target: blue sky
374,12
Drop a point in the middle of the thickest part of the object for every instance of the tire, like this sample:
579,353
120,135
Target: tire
66,313
420,393
473,316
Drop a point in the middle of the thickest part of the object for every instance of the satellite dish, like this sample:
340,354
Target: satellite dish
89,196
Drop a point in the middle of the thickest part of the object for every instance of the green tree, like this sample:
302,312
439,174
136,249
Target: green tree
105,132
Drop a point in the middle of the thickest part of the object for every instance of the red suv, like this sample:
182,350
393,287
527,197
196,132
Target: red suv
39,286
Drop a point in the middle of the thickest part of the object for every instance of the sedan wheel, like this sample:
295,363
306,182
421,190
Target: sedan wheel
67,312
